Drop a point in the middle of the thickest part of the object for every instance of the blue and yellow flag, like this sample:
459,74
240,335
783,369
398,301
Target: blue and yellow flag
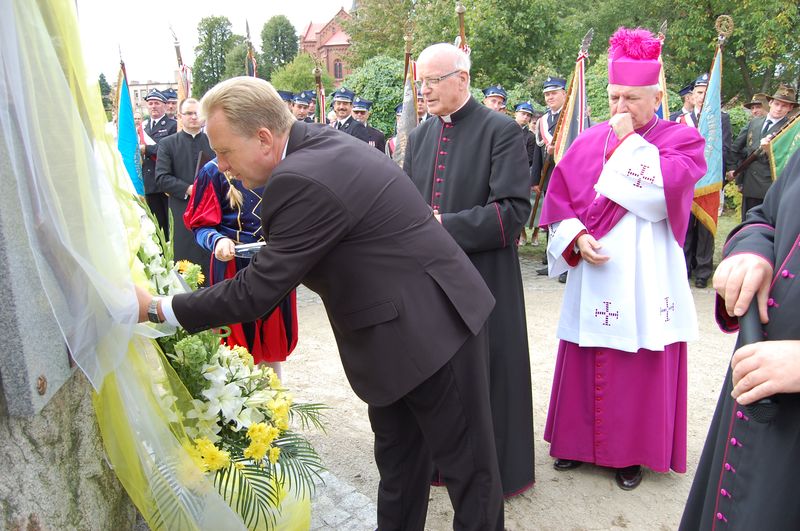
127,136
706,202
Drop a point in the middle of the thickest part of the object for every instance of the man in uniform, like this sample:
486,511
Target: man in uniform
522,115
172,103
698,249
155,128
343,107
406,305
470,166
688,103
287,97
758,105
361,112
757,178
300,104
494,97
312,105
555,95
176,166
617,208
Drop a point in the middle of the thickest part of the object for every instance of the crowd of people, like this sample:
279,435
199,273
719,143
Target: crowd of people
419,272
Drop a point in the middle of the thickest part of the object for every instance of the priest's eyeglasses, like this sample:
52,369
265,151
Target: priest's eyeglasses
433,81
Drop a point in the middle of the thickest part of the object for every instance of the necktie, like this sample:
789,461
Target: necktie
338,125
767,125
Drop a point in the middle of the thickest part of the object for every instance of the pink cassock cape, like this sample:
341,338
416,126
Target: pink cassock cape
610,407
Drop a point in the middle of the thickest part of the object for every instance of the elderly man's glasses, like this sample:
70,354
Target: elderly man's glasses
433,81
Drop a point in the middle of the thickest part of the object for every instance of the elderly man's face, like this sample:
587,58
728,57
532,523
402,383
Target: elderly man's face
640,102
496,103
699,94
778,109
444,87
554,99
156,108
247,158
342,109
361,115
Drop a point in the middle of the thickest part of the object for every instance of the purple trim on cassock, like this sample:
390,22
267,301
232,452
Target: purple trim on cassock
740,231
571,193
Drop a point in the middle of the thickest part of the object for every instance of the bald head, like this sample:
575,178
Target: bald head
443,77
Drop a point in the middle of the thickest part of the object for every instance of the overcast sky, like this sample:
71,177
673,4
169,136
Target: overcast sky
141,30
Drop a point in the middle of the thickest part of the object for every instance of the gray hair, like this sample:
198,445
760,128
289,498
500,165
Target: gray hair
460,59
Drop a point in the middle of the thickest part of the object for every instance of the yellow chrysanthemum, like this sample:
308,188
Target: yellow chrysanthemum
200,278
213,458
280,413
274,453
238,465
183,265
257,431
256,451
244,355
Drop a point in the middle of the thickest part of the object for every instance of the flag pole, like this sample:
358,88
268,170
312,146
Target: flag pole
724,27
582,54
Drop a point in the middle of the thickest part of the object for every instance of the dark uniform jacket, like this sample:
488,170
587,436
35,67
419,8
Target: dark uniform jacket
353,127
164,127
344,220
757,178
474,171
747,472
376,138
540,153
530,144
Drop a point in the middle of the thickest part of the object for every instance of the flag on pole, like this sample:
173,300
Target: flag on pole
782,147
127,135
663,108
706,202
409,117
573,119
249,61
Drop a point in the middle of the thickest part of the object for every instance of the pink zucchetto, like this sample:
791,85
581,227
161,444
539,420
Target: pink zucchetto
633,58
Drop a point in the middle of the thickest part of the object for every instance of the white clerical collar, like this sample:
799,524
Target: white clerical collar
193,135
447,118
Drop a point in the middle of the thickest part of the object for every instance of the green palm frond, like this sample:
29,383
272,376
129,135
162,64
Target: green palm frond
309,414
172,504
300,464
252,492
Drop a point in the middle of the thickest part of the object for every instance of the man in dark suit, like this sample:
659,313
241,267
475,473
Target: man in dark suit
757,178
176,169
343,107
407,307
157,127
361,112
687,96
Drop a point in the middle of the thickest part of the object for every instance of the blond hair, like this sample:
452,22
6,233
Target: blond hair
234,195
249,104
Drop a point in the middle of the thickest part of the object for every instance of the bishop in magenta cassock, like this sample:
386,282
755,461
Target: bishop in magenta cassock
617,209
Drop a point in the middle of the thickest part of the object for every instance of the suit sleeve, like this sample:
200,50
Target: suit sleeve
305,221
756,235
360,131
166,181
497,223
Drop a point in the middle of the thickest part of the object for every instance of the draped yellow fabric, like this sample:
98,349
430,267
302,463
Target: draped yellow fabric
84,229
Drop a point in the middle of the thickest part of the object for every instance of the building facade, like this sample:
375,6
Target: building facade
327,43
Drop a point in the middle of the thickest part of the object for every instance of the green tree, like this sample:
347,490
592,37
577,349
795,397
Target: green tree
297,75
279,45
105,92
377,27
379,80
235,59
215,40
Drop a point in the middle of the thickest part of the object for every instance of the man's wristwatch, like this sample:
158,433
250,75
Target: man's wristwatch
152,311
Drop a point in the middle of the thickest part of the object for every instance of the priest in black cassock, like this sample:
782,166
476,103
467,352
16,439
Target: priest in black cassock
470,165
176,168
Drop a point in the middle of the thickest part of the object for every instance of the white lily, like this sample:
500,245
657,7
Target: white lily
227,399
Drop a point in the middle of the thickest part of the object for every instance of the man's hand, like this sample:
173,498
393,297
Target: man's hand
224,250
738,278
144,298
550,148
622,124
764,369
588,247
189,190
730,176
535,188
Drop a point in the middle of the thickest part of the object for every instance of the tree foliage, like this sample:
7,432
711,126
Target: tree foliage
278,45
105,92
297,75
215,40
379,80
518,43
235,64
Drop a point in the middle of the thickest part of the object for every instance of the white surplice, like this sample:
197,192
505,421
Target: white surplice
639,298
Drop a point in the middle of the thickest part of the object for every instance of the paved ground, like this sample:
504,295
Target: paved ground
584,499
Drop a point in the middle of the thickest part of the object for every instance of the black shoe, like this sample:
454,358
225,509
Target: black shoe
563,277
566,464
701,283
629,478
544,260
542,271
